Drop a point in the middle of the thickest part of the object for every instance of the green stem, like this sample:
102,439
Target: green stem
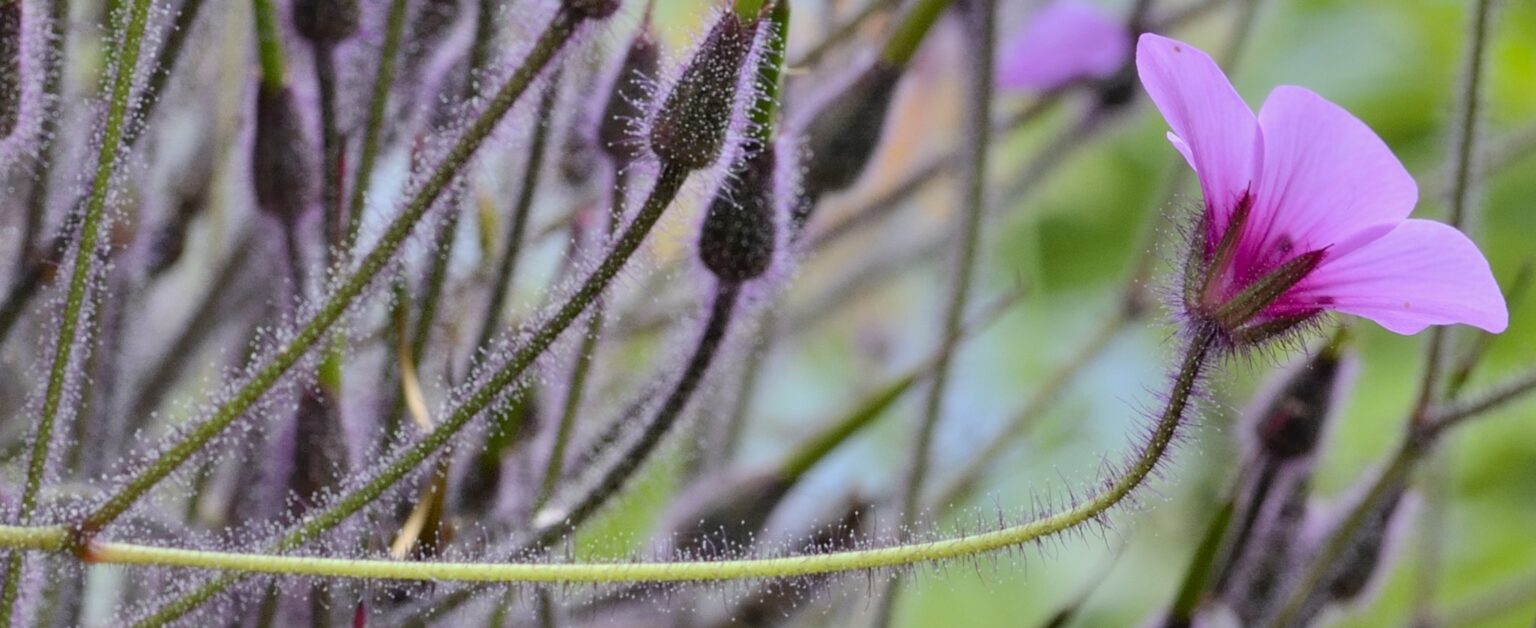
911,31
506,266
1135,474
554,37
378,104
125,63
668,182
554,467
979,30
269,45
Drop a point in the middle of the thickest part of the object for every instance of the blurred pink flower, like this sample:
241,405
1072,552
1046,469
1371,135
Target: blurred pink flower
1063,42
1306,210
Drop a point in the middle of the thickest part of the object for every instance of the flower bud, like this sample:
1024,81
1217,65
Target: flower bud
431,22
842,135
591,9
1293,420
319,453
10,66
282,164
627,100
736,242
325,21
690,127
1366,552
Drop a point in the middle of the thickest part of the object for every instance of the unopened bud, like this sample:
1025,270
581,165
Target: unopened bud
432,21
690,127
842,135
736,242
320,454
1365,553
627,101
282,164
591,9
10,66
325,21
1292,422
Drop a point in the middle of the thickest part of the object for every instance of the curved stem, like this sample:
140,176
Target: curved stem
668,182
125,62
1192,366
559,30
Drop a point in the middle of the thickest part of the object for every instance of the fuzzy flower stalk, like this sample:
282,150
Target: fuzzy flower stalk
1306,212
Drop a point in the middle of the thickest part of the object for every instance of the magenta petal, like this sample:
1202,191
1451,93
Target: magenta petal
1419,274
1063,41
1219,131
1325,178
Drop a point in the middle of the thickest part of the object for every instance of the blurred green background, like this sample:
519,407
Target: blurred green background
1395,64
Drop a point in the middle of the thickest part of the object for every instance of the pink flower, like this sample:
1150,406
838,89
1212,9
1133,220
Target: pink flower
1306,211
1063,42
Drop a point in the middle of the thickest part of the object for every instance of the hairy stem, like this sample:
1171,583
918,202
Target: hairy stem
571,405
1151,454
623,470
668,182
559,30
125,61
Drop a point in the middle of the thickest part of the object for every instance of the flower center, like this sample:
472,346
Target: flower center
1234,293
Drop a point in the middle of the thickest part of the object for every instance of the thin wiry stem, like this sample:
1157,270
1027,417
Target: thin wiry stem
1462,165
613,480
378,105
668,182
330,149
582,366
53,71
506,265
1146,460
967,239
269,45
125,61
979,16
559,30
842,32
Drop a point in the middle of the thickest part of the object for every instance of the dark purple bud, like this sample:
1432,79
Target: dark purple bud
432,21
591,9
628,100
842,135
325,21
736,242
10,66
319,451
282,165
690,127
1292,422
1367,551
